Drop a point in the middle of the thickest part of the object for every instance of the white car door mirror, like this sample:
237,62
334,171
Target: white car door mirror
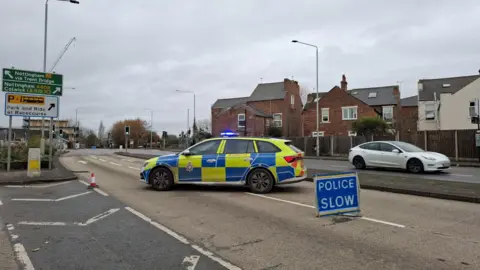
395,151
186,153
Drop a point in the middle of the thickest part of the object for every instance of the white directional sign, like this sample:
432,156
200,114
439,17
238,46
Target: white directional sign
28,105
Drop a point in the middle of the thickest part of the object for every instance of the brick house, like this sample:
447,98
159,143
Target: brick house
339,107
270,104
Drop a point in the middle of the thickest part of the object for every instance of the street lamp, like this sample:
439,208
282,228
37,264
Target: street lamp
194,110
316,99
45,49
151,127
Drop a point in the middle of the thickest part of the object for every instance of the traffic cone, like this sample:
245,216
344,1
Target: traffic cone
93,183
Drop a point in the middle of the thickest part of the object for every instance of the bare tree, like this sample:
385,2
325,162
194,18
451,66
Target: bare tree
205,125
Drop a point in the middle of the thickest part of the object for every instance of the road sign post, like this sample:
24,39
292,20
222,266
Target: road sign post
336,193
9,143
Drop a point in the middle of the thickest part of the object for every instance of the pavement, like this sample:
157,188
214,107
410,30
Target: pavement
19,177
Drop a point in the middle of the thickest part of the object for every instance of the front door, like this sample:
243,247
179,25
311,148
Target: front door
190,167
237,158
389,158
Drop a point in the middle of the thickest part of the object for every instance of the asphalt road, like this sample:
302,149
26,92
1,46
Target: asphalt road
280,230
66,226
456,174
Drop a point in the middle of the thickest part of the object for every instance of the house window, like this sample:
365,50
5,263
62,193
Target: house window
372,95
318,134
352,133
277,120
241,120
325,115
292,100
387,112
349,113
430,111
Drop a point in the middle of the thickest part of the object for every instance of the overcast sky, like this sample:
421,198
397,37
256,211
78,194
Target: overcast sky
132,55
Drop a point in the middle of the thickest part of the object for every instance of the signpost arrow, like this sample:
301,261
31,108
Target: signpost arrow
52,105
7,73
57,90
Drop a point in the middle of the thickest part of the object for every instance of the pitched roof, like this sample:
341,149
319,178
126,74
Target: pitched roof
409,101
375,96
268,91
443,85
310,103
228,102
249,108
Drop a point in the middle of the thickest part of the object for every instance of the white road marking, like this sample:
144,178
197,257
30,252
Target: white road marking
159,226
1,202
98,217
72,196
190,262
10,227
102,160
311,206
14,236
182,239
22,256
461,175
100,192
83,182
212,257
116,164
126,159
42,223
34,200
39,186
82,161
133,168
94,157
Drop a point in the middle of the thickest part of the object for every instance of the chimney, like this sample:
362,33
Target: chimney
344,83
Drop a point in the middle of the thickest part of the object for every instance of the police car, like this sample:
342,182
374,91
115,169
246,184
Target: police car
259,163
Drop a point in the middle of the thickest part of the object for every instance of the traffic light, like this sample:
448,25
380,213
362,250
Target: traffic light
127,130
60,132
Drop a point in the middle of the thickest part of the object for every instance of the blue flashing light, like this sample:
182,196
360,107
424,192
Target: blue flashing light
228,133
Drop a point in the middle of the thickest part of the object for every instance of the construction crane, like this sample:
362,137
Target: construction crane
62,53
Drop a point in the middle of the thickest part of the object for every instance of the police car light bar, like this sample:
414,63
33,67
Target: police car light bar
229,134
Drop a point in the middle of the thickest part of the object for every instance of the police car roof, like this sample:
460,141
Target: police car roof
251,138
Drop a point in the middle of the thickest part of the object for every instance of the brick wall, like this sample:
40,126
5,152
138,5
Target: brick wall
254,125
335,99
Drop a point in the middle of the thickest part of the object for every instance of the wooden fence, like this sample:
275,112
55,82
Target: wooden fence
456,144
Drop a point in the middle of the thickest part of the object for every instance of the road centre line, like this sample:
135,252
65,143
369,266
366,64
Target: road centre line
103,160
113,163
82,161
22,256
311,206
42,223
182,239
133,168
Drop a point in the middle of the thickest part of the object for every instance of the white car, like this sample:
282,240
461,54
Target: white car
394,154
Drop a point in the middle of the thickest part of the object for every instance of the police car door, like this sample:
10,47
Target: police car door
237,158
190,166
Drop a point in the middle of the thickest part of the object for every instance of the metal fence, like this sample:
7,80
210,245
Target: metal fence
456,144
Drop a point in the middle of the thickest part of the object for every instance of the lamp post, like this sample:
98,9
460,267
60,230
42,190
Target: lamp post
151,127
194,110
316,88
50,135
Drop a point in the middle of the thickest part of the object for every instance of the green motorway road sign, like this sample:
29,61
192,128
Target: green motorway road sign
31,82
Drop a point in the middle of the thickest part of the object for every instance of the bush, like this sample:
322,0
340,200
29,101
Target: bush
275,132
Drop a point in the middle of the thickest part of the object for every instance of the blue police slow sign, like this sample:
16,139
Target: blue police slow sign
336,193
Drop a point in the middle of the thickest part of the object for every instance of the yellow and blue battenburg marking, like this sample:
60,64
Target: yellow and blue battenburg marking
225,167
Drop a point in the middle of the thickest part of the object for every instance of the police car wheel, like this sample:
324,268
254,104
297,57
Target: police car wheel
260,181
161,179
